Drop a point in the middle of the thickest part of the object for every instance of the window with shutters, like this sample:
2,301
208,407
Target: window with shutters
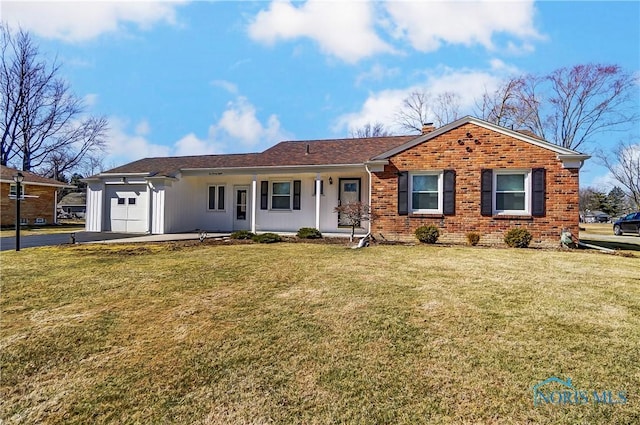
512,192
216,198
281,195
426,192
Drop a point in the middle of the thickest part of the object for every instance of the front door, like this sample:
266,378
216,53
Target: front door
241,208
349,192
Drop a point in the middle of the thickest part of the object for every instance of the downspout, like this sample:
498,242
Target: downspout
366,167
55,207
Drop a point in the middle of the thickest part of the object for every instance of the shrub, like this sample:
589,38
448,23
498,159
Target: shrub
427,234
267,238
473,238
242,234
518,237
309,233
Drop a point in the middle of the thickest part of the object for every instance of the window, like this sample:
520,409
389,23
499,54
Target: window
426,192
121,201
216,198
512,191
281,195
12,190
40,220
132,201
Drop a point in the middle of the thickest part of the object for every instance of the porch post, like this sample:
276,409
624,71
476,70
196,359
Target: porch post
254,192
318,187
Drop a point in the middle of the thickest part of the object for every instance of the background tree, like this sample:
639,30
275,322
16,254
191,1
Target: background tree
624,165
43,126
421,107
568,106
369,130
617,202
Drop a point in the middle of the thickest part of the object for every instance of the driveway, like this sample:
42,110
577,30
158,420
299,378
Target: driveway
31,241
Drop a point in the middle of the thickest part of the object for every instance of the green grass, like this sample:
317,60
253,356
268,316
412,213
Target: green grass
314,334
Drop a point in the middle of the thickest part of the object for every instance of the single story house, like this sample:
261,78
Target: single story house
469,175
73,204
38,202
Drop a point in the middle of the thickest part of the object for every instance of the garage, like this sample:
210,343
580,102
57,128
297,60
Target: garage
127,208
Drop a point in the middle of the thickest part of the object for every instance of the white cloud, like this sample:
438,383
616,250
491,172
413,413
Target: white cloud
383,106
227,86
343,29
192,145
84,20
240,123
355,30
377,73
428,25
123,147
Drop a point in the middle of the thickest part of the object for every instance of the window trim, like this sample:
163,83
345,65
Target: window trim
527,191
440,175
216,202
290,195
13,189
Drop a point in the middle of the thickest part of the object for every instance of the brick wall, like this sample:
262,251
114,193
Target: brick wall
493,150
30,208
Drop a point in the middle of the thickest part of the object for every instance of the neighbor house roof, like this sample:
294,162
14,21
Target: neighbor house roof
74,198
7,173
290,153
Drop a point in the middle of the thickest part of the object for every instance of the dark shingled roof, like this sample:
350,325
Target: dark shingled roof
291,153
7,173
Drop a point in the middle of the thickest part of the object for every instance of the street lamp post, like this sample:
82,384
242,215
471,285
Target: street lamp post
18,178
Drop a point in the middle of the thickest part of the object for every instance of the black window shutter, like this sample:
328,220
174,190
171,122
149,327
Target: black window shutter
403,193
264,195
449,193
538,192
220,197
296,194
486,192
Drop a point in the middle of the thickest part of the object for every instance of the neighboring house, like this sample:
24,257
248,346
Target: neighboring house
38,205
469,175
596,217
73,204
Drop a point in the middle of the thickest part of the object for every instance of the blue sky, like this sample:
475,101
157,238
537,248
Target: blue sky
183,78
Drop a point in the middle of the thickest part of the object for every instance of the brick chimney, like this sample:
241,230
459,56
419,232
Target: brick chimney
427,127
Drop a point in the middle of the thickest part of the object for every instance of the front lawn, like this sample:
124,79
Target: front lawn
316,334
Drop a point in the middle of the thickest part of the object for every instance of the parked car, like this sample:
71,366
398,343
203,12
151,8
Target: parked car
630,223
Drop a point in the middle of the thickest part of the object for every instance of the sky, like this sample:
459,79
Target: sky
208,77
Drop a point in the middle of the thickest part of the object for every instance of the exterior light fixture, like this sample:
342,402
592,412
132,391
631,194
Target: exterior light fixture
18,178
330,180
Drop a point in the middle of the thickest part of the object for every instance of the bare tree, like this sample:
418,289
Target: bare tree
43,123
369,130
413,113
353,214
568,106
446,108
624,166
421,107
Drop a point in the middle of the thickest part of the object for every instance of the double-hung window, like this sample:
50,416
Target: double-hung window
512,192
216,198
13,188
426,192
281,195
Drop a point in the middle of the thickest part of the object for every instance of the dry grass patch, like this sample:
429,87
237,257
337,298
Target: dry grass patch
311,333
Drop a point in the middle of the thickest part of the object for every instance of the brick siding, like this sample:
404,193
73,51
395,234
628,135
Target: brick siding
30,208
492,150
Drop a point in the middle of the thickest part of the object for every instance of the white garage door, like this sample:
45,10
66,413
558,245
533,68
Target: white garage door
128,208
